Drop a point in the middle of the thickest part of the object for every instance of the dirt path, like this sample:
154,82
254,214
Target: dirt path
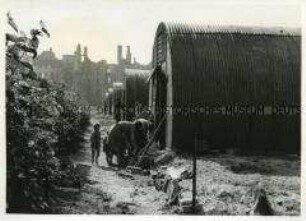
107,192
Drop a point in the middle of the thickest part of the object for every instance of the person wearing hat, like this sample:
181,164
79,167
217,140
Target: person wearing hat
95,140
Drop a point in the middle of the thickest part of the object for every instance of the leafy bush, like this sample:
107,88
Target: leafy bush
43,127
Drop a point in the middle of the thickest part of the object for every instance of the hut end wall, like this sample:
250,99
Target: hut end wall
169,120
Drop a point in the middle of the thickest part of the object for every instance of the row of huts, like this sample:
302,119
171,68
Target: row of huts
223,88
125,100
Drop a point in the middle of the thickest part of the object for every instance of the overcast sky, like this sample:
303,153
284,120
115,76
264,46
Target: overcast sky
103,24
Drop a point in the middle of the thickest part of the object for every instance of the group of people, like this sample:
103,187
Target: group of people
124,140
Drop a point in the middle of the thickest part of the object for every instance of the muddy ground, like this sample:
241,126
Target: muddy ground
225,185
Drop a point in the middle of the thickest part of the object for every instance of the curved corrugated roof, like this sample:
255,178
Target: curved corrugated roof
181,28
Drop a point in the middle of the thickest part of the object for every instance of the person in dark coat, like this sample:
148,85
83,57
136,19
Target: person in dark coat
95,141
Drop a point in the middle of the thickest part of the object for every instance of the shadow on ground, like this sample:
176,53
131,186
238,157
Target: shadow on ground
275,166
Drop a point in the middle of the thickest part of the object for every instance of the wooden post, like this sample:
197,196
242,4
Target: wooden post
197,127
125,97
194,178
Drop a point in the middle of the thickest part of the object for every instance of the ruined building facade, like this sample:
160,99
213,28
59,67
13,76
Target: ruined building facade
92,80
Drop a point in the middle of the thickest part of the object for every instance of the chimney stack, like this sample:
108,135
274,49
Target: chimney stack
78,53
128,55
86,54
119,54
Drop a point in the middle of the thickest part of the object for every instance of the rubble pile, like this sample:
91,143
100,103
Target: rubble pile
220,191
152,156
169,180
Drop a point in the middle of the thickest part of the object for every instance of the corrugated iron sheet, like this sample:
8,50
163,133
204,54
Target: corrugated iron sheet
136,93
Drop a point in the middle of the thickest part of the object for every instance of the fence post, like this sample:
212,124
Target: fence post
194,178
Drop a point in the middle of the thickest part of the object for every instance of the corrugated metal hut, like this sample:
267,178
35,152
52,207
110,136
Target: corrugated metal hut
113,102
127,99
227,87
136,91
